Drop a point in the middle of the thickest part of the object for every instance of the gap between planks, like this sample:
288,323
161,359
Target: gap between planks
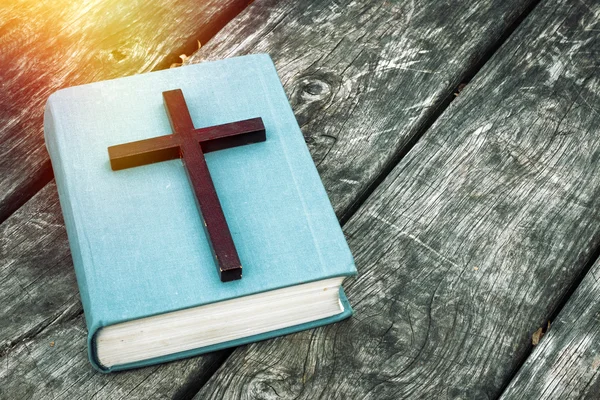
516,383
354,206
465,79
591,255
441,107
431,120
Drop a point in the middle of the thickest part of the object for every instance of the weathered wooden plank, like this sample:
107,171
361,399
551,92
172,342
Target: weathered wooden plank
46,46
54,365
382,72
566,363
364,78
37,280
466,248
34,230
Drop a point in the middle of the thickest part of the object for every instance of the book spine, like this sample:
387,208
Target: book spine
52,136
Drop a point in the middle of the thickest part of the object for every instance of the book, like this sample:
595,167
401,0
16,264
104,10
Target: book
143,261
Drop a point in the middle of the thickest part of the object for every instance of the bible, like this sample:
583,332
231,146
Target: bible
195,215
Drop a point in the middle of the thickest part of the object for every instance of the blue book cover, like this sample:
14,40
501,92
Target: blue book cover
137,241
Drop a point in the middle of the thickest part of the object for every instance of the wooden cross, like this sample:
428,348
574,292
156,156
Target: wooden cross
190,144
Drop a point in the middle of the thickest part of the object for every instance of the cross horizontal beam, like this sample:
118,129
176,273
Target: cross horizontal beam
167,147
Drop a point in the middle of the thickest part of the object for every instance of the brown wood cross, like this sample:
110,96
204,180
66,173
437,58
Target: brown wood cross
190,144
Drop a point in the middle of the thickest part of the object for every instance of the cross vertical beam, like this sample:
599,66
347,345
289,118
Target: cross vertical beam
215,225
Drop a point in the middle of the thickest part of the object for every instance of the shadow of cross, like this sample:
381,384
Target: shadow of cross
190,144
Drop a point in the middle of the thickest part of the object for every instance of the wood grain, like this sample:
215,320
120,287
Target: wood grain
362,88
50,45
445,51
364,77
55,365
37,280
566,363
468,246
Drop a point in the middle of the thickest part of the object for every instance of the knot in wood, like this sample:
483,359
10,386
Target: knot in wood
315,89
312,94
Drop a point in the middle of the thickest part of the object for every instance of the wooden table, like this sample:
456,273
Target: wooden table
460,146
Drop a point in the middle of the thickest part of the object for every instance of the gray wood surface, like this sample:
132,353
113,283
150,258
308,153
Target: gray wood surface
49,45
467,247
566,363
37,280
455,247
31,237
356,87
